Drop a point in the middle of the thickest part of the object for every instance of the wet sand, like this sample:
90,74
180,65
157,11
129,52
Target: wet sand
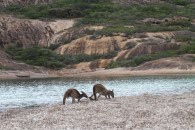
143,112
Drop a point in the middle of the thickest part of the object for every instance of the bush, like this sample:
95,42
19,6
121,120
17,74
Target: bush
181,2
111,65
192,28
54,46
64,13
181,23
47,58
36,56
183,38
130,45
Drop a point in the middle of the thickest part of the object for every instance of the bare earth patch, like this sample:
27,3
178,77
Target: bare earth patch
159,112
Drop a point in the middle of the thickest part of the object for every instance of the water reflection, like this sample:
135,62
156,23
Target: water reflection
33,92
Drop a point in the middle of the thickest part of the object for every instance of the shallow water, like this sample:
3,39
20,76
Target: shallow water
35,92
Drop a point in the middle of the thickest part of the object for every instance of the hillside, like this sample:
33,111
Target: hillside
91,34
5,3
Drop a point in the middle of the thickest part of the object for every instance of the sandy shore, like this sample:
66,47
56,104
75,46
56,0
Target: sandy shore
96,73
129,72
10,74
144,112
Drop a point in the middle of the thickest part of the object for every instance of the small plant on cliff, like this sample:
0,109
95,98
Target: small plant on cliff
130,45
181,2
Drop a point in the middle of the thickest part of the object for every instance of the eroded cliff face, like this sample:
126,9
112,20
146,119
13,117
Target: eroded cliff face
184,62
151,43
25,33
5,3
86,45
125,46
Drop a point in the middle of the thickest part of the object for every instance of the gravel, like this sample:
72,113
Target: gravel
143,112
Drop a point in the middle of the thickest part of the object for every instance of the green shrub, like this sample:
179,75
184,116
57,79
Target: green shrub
47,58
54,46
181,2
111,65
183,38
192,28
130,45
6,67
181,23
64,13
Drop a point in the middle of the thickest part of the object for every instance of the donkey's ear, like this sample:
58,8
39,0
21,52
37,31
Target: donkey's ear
82,92
112,90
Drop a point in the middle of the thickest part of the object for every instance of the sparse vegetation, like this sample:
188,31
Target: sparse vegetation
181,2
6,68
135,61
115,18
47,58
130,45
184,38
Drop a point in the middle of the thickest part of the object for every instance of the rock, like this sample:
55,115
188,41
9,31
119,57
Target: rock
5,3
180,62
85,45
151,21
102,63
67,36
25,33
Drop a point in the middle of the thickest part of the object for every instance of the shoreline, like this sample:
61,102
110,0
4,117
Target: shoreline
128,72
117,72
145,111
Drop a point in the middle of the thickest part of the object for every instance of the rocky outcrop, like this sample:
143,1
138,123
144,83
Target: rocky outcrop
179,62
153,43
150,43
148,47
5,3
93,65
25,33
72,34
86,45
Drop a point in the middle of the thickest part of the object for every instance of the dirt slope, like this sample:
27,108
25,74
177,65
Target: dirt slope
25,32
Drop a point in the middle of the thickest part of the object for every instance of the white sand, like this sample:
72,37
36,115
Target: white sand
157,112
